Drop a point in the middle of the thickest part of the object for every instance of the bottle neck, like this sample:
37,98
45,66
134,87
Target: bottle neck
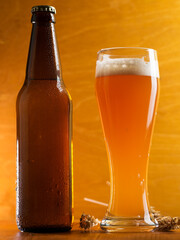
43,59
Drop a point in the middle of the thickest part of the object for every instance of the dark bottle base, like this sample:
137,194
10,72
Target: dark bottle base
51,229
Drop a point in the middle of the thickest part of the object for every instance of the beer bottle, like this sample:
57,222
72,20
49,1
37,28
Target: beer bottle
44,142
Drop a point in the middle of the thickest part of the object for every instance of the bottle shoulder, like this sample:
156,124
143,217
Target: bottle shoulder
41,90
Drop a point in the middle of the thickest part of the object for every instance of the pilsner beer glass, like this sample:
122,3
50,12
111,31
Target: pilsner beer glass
127,89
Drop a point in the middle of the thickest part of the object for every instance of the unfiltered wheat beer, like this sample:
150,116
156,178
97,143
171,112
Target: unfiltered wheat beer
44,142
127,91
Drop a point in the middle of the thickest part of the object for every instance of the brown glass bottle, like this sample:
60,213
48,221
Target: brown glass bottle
44,142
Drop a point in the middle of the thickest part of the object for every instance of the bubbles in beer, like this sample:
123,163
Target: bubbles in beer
126,66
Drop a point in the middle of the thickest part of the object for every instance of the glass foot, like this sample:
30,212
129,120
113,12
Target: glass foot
118,224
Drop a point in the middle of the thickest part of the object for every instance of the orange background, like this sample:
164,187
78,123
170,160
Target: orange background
84,27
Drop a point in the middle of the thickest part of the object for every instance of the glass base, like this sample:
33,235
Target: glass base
118,224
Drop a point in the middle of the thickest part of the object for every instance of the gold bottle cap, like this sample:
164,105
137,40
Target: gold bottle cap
43,8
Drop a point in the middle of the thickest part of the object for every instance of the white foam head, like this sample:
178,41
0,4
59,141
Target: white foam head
126,66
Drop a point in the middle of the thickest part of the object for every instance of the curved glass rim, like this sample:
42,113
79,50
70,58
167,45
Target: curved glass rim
103,50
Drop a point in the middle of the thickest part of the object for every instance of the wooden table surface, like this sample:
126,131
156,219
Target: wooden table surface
10,232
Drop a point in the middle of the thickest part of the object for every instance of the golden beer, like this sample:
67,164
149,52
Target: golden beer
127,92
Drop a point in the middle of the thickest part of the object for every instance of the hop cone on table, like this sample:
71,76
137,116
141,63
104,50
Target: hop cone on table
88,221
164,223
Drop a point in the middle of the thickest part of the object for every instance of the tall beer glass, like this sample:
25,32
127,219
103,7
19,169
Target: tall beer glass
127,88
